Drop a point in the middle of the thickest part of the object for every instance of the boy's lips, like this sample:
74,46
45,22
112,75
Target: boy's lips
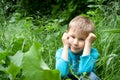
75,48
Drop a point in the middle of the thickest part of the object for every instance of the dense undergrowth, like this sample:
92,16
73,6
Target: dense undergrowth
21,35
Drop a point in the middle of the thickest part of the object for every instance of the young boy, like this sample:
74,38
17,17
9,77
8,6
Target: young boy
77,54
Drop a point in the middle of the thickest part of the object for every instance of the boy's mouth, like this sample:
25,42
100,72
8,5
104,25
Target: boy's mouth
74,48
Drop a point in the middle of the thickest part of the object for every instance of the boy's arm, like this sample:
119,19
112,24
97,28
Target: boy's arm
87,63
61,64
89,56
65,38
88,42
62,61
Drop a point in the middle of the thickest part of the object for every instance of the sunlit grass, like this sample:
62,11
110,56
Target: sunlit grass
108,42
19,35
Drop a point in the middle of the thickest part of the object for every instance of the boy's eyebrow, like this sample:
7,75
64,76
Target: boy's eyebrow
81,38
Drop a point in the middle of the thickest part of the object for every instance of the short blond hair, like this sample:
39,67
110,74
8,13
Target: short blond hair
83,23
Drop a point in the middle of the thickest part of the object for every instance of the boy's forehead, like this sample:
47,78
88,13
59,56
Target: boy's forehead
77,31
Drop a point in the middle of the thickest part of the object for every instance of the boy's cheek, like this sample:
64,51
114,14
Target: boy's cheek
69,41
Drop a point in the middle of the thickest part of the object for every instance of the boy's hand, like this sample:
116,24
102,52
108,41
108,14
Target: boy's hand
91,38
65,38
65,41
88,42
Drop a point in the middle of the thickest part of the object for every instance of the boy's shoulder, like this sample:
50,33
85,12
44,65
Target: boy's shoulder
59,52
94,52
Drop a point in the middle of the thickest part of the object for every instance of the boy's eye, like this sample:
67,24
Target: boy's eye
72,36
81,39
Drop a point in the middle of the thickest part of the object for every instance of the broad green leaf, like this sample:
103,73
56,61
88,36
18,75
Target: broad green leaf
13,70
17,58
15,65
2,68
3,54
34,68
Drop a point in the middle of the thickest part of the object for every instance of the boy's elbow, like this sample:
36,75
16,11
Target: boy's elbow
63,74
81,71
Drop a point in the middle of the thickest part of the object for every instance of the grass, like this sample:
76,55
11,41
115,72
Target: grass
108,41
19,33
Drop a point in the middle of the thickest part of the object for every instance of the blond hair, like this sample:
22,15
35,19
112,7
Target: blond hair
82,23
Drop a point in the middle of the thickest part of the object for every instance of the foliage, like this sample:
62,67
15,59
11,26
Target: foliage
23,22
107,31
31,64
37,70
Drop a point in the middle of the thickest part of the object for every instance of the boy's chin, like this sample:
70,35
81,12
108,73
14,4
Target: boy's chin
75,52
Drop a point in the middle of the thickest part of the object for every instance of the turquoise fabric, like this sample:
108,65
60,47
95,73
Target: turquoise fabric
78,63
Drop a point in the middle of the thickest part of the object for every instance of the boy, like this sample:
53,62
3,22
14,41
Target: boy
77,54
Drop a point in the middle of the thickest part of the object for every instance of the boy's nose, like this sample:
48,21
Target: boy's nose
75,41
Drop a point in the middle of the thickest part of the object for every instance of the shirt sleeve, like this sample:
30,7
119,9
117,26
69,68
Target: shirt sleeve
87,63
61,64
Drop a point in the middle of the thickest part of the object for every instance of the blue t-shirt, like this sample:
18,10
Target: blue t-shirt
77,63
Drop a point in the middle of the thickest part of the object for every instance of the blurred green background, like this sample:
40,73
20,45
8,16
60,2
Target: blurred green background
31,30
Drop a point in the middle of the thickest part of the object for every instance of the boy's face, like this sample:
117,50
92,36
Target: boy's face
76,40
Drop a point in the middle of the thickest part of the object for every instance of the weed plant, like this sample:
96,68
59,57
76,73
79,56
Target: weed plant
18,34
108,41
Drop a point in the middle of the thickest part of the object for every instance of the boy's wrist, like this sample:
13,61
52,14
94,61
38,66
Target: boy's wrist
65,52
88,42
66,46
87,48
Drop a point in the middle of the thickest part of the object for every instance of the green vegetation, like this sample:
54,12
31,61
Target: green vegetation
30,34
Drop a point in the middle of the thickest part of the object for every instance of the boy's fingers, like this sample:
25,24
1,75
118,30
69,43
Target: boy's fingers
91,37
65,35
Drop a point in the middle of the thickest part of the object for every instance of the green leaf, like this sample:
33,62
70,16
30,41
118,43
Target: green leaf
3,54
17,58
13,70
15,65
34,68
2,68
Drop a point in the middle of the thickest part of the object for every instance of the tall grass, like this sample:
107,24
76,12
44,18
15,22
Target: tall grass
49,35
108,41
18,34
